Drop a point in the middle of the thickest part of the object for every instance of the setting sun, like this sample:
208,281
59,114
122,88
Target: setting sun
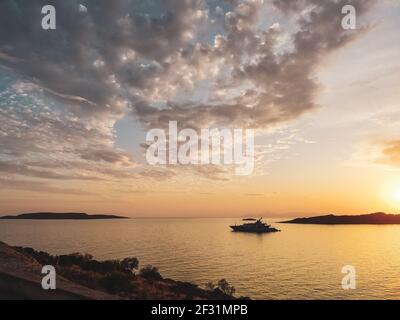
396,195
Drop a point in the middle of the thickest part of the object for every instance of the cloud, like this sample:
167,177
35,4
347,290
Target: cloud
124,51
212,172
391,153
37,186
41,139
110,156
263,87
21,169
158,174
82,61
376,152
201,63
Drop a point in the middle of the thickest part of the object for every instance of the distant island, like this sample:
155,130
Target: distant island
373,218
62,216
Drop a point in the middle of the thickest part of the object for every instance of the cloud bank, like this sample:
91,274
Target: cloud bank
201,63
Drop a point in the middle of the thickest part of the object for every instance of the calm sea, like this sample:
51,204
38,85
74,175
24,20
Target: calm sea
301,262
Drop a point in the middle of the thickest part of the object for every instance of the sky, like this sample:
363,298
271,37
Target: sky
76,104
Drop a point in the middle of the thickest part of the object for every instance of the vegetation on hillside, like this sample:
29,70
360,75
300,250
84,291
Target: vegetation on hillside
124,278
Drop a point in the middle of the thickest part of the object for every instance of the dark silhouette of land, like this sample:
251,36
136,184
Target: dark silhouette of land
62,216
80,276
373,218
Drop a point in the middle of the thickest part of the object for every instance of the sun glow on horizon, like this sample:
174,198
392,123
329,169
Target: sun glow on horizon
396,195
390,193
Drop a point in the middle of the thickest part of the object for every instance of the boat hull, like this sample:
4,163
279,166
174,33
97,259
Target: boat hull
253,230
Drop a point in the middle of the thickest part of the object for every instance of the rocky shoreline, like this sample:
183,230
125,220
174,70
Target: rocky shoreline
79,276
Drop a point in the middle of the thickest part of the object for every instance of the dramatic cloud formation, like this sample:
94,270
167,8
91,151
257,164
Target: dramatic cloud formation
201,63
263,86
